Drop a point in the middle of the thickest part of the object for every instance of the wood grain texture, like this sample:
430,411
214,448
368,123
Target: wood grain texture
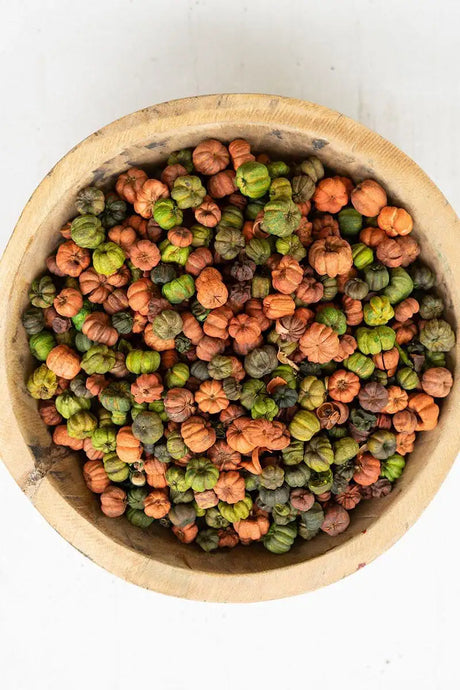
51,477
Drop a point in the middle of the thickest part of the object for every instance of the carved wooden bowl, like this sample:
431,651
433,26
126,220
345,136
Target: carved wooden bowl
51,476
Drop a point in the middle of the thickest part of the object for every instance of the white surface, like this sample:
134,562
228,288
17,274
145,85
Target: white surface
66,69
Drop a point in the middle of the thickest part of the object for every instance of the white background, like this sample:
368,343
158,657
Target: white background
66,69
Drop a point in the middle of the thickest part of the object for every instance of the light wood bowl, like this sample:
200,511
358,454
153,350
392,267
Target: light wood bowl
51,476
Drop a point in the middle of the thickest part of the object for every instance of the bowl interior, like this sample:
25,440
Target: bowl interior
63,468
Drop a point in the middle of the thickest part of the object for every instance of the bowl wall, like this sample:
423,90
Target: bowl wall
51,476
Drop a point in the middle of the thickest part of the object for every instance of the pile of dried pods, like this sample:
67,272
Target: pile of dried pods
243,348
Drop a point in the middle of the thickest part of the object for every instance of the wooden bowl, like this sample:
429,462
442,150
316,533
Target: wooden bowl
51,476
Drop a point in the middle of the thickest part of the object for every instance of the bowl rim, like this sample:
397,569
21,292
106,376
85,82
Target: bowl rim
283,113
